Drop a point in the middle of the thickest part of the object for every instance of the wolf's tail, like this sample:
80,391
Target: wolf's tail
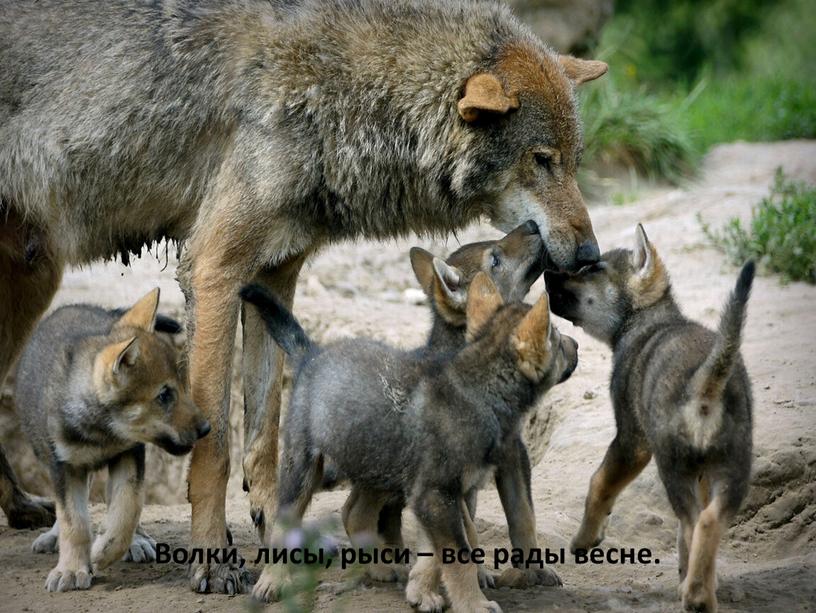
709,381
280,323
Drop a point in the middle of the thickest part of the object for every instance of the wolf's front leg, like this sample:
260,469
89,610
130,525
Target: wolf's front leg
73,570
440,513
125,499
515,492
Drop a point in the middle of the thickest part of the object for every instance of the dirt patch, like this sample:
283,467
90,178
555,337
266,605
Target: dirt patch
768,561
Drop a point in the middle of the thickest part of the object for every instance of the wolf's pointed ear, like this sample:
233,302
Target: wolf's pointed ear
422,263
482,303
484,92
650,280
116,357
448,285
142,315
531,339
580,71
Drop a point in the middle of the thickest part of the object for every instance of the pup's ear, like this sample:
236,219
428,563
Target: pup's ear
115,358
142,315
449,292
482,303
484,92
650,280
531,339
580,71
422,263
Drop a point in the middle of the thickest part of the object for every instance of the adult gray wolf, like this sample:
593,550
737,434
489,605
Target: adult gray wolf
433,444
254,132
92,388
680,392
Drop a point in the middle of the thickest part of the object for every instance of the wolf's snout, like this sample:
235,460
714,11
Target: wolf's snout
203,429
571,350
588,253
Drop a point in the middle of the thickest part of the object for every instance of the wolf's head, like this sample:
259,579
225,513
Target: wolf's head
523,116
599,297
513,263
516,342
136,375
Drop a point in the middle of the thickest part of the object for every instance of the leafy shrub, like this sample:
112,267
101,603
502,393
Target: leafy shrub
781,235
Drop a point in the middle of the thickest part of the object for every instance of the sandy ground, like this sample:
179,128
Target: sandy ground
768,559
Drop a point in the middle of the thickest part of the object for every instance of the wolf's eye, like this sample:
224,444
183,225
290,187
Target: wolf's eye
544,160
166,396
495,260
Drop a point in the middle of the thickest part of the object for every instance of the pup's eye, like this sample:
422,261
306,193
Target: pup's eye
544,160
495,260
166,396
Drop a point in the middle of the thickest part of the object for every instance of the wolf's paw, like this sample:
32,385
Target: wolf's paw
68,579
31,512
697,598
486,578
142,548
47,542
220,578
523,578
272,583
482,606
585,542
422,598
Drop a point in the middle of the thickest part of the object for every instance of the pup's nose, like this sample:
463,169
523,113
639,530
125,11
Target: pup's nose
531,227
588,253
203,429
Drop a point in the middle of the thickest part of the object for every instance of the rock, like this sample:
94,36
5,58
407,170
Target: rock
570,26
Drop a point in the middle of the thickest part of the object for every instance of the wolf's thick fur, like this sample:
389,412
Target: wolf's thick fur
255,131
680,393
439,437
92,387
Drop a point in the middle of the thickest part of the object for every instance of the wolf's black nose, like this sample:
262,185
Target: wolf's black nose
531,227
588,253
203,429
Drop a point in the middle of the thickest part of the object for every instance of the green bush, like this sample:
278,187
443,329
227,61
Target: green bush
781,235
634,129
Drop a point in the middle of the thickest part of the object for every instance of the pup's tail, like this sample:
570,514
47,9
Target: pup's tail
708,383
280,323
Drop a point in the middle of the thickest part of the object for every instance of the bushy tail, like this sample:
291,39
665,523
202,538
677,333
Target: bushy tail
280,323
715,371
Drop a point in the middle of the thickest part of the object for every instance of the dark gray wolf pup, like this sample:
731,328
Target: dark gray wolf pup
92,387
513,264
434,443
253,132
680,393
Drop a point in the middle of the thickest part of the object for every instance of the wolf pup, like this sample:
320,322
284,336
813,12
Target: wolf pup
92,387
513,264
680,393
437,440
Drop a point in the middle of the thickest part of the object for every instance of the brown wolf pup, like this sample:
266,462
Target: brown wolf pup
254,132
680,393
93,386
434,444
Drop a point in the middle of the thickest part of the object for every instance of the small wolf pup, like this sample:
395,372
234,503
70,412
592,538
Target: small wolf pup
92,387
438,439
513,264
680,393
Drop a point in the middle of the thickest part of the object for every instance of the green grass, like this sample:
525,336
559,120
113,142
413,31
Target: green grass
781,235
761,109
633,129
